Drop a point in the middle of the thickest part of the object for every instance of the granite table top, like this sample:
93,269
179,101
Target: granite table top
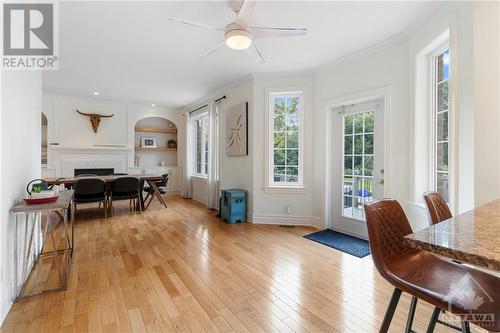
472,237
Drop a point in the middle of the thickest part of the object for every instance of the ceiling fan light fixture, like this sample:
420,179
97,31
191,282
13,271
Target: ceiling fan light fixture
238,39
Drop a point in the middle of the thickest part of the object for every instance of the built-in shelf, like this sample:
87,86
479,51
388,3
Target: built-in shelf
156,130
155,149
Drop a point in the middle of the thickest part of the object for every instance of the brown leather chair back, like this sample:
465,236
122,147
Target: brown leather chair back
436,206
387,225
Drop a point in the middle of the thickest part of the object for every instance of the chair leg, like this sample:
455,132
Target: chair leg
434,319
149,202
105,208
391,308
411,314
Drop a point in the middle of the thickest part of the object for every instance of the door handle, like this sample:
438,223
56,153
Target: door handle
381,181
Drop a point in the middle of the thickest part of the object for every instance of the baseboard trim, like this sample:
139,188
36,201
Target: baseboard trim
199,199
348,233
304,221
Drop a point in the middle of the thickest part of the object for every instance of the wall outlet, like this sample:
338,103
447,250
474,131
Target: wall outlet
289,209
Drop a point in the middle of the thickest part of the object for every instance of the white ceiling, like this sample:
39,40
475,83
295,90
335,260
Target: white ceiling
129,51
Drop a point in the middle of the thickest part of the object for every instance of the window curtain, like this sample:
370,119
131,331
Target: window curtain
187,189
213,156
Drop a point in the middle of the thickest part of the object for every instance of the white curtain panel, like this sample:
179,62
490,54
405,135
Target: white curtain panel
213,156
187,189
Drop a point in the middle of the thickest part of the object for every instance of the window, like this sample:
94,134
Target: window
440,119
285,139
200,125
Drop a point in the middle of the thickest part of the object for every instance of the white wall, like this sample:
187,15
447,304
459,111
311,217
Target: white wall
384,69
237,171
487,101
457,17
20,160
70,129
273,207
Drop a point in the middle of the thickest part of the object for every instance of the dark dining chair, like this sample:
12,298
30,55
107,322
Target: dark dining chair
89,190
162,188
437,207
125,188
423,275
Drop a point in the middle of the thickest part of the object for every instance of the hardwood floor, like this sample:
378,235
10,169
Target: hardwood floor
180,269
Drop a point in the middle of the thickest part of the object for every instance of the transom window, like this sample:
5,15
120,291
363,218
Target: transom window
286,139
201,145
358,163
440,103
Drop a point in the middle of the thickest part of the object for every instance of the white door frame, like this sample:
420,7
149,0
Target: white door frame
384,93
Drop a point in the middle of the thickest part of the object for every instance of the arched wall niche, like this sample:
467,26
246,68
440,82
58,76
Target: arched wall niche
163,133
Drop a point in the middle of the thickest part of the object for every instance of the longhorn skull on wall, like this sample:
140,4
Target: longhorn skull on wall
95,118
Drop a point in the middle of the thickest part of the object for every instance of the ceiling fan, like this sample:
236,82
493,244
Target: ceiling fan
239,35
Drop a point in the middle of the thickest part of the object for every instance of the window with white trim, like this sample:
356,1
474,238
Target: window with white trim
441,124
200,129
286,139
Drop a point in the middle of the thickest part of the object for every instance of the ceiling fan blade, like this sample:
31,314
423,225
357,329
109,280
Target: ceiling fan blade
264,32
211,50
193,23
245,12
254,52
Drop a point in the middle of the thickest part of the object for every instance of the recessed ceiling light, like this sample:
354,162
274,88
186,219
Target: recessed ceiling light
96,93
153,105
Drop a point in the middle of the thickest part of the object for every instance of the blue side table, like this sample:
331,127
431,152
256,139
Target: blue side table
233,205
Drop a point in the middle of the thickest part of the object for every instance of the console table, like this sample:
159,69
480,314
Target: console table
28,219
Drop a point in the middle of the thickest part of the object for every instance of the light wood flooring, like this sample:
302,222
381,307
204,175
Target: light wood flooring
181,269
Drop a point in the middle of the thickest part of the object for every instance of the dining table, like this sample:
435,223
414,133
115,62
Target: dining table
472,237
151,180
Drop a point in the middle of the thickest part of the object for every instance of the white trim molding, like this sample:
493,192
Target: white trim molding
289,220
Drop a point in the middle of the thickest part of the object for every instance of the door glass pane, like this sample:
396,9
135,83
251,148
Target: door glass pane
348,165
358,163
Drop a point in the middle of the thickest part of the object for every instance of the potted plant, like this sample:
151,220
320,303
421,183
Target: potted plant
172,143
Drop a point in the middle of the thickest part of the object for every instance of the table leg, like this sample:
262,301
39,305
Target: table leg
16,261
141,196
54,250
66,250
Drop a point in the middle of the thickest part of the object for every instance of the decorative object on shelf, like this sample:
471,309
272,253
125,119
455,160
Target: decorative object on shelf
95,118
237,130
172,143
149,142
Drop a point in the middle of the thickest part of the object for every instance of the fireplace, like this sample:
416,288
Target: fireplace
95,171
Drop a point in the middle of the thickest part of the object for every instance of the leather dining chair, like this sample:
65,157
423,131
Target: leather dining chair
89,190
437,207
125,188
423,275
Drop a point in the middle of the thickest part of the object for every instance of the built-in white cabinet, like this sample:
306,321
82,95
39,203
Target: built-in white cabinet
175,181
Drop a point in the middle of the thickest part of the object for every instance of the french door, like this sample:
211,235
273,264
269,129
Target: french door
358,155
